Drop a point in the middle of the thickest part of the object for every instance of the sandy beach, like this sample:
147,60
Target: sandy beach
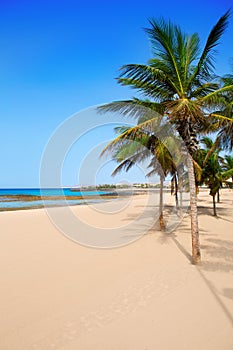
61,295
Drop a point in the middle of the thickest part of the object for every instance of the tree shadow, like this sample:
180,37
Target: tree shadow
228,293
218,252
215,294
221,251
223,213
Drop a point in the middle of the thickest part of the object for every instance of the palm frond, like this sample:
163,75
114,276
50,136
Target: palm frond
198,170
227,174
135,133
134,108
205,65
203,90
216,98
207,142
211,147
121,129
153,79
130,161
163,38
221,117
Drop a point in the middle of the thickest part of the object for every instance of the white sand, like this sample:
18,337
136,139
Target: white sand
57,294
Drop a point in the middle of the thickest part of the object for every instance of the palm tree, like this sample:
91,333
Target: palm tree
213,159
145,145
179,82
162,163
213,174
214,177
209,159
228,163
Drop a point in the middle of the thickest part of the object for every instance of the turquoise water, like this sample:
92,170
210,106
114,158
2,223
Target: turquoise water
39,203
46,192
7,202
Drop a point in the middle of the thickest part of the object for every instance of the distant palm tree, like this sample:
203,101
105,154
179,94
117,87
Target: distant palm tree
228,163
209,160
179,81
213,174
225,116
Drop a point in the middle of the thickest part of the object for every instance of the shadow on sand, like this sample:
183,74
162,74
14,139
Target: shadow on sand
218,252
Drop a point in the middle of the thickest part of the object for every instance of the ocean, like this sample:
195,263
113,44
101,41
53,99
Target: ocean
26,198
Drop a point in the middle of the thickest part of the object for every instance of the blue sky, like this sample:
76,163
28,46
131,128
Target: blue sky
59,57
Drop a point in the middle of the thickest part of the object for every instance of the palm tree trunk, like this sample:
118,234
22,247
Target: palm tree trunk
178,203
176,193
180,189
181,198
161,219
196,252
218,196
214,206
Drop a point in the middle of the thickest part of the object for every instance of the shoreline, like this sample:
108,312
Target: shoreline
59,199
90,199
